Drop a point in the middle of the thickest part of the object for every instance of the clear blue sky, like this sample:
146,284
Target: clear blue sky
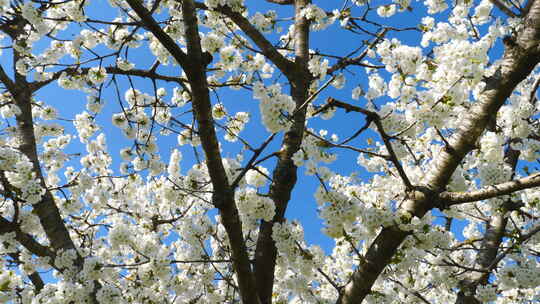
333,41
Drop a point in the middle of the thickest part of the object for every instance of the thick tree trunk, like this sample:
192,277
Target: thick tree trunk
46,209
223,196
285,172
493,237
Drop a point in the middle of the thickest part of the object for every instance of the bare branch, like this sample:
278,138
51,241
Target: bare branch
385,137
524,238
357,60
150,73
504,8
455,198
25,239
250,163
281,2
4,78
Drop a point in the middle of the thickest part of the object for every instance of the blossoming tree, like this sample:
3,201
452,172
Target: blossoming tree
444,126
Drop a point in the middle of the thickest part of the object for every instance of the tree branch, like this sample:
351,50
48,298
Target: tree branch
268,50
4,78
223,196
46,209
372,116
281,2
151,24
522,239
285,172
25,239
343,63
150,73
492,239
504,8
34,277
455,198
517,63
412,292
252,160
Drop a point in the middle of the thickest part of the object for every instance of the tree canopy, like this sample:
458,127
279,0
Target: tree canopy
150,150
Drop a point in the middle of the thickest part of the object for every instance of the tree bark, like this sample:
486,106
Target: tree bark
518,62
223,196
285,172
46,209
493,237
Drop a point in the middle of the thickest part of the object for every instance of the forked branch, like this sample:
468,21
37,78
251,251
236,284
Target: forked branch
376,119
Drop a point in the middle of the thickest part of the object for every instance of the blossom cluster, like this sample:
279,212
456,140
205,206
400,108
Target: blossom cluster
274,106
145,227
253,207
19,171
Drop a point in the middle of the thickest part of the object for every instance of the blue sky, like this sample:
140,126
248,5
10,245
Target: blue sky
334,41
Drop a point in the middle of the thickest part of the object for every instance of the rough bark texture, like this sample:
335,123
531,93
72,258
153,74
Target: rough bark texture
285,172
223,196
46,209
518,62
489,248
